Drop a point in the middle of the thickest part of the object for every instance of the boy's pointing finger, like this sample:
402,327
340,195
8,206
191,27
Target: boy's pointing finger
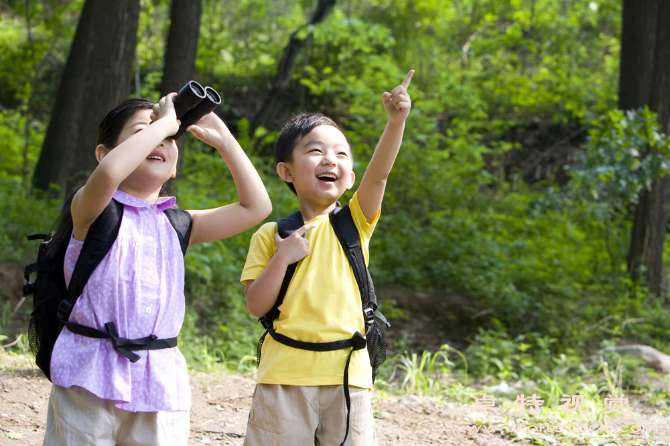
305,228
408,78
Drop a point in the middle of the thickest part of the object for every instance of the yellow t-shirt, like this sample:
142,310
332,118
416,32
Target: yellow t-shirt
322,304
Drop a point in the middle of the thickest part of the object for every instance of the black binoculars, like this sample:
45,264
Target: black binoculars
192,103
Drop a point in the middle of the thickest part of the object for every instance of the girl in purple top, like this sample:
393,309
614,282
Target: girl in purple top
98,395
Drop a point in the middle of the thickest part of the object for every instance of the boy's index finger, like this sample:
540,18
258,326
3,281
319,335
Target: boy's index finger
301,231
408,79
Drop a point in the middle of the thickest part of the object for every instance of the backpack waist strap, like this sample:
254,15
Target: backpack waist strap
357,342
123,345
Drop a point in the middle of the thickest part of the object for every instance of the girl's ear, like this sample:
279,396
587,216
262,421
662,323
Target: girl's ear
284,172
100,152
353,180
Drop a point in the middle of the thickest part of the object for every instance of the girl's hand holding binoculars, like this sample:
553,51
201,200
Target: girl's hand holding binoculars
211,130
165,110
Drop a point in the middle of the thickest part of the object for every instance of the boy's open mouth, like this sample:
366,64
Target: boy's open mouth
156,156
328,177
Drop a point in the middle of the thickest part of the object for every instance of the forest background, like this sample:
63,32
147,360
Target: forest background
516,201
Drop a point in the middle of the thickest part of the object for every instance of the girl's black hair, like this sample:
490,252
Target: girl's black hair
63,230
108,134
296,129
111,126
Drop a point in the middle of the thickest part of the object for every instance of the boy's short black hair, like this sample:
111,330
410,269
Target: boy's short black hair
296,129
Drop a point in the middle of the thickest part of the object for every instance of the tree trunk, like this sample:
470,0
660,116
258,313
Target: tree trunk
97,76
286,67
645,80
182,45
180,54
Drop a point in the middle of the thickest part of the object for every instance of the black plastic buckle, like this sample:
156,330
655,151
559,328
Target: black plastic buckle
28,288
64,308
359,341
369,316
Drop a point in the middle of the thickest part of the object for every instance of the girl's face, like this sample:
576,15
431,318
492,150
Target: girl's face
161,164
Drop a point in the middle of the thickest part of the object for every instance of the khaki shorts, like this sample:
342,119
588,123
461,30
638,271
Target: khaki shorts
77,417
301,415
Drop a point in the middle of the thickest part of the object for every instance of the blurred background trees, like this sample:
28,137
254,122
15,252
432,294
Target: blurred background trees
530,193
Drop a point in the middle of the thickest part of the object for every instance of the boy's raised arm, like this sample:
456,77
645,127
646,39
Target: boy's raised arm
371,191
254,204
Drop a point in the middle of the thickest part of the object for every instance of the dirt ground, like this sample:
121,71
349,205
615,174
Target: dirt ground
221,406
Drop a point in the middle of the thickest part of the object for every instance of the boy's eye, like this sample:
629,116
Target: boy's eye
343,154
315,150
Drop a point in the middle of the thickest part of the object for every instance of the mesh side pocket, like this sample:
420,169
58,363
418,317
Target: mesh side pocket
43,330
33,335
259,346
376,348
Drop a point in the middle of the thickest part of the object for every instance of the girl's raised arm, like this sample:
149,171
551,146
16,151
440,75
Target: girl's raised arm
254,204
137,140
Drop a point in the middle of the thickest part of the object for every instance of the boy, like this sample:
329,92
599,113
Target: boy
299,398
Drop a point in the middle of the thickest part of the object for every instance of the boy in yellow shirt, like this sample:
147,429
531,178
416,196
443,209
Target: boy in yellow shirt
299,398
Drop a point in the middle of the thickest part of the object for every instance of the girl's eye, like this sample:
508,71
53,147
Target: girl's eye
315,150
343,154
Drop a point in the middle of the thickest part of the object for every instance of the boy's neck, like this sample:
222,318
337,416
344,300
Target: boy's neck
311,210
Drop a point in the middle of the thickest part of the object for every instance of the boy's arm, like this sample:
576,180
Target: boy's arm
254,204
371,191
261,294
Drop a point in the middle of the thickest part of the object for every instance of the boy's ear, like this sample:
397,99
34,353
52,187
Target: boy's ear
353,180
284,172
100,152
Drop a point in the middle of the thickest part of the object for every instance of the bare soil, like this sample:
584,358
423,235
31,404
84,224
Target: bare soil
221,406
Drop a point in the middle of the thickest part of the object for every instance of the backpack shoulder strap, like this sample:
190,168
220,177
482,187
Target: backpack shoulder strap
347,234
182,223
285,227
345,229
100,238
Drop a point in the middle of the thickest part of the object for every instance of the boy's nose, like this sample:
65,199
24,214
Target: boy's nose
329,160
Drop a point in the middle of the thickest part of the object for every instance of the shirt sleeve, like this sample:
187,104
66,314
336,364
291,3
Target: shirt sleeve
261,250
365,229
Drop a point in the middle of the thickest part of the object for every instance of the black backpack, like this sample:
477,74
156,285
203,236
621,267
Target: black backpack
347,234
53,302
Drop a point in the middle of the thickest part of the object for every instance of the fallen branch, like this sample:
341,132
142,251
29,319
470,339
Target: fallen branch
13,343
649,356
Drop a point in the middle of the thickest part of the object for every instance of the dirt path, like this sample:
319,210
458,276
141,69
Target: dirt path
221,407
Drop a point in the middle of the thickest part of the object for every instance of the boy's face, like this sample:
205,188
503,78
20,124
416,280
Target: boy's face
322,166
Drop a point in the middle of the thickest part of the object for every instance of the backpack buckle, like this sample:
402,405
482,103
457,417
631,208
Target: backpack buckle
369,316
28,288
64,308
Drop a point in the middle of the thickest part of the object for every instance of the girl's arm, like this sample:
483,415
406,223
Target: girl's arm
371,191
115,165
254,204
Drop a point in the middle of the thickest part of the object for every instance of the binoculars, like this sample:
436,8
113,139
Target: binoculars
192,103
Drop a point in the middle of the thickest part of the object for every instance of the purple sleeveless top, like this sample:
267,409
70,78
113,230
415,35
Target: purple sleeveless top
139,286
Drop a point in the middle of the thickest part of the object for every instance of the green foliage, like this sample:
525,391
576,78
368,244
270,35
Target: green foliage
22,214
546,261
626,152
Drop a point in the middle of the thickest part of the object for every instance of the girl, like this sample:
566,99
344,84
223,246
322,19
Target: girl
99,396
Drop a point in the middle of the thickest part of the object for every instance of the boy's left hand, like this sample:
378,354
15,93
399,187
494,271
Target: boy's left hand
397,103
211,130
